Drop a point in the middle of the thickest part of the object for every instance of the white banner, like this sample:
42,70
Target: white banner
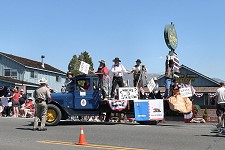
151,85
84,67
128,93
186,92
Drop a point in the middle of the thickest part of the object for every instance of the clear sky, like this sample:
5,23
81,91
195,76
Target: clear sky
128,29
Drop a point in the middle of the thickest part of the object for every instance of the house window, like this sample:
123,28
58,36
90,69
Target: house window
58,79
33,74
11,73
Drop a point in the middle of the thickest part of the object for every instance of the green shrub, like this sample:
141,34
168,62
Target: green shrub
196,109
205,112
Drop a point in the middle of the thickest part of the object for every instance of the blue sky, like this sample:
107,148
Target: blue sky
128,29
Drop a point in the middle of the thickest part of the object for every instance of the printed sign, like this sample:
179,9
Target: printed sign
186,92
151,85
128,93
84,67
117,104
83,102
149,110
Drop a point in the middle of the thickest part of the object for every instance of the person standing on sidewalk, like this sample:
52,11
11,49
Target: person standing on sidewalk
15,102
220,105
42,96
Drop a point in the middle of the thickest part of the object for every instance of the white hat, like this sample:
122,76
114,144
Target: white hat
42,81
21,90
30,98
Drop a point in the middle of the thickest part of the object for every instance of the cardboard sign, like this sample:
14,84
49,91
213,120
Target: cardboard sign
151,85
186,92
84,67
128,93
146,110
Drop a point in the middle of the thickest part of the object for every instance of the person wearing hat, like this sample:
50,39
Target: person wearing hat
137,71
22,98
29,108
69,81
169,75
103,73
155,94
118,70
41,96
63,89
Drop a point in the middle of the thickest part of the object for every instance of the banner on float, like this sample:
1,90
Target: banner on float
186,92
118,105
128,93
146,110
84,67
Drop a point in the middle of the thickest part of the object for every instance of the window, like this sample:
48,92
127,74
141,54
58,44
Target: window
83,84
33,74
11,73
58,79
95,84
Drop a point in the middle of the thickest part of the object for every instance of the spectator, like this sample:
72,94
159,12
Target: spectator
15,102
7,108
29,108
1,107
22,99
220,107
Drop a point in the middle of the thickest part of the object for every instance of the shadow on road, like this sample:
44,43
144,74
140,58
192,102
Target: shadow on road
63,123
215,135
31,129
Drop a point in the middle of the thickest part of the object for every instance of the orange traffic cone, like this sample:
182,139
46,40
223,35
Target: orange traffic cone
82,140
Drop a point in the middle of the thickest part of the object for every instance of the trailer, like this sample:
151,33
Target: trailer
87,101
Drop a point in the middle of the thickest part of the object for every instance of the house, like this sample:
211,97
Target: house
25,73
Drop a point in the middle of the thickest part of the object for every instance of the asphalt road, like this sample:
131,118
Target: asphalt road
16,134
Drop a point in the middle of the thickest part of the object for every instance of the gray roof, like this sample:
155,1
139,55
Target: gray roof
31,63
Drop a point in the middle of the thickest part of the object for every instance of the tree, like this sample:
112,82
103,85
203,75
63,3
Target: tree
75,62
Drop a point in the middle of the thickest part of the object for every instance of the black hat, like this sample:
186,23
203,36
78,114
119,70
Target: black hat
138,60
116,59
102,61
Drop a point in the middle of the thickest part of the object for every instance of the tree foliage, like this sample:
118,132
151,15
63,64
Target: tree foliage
74,63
